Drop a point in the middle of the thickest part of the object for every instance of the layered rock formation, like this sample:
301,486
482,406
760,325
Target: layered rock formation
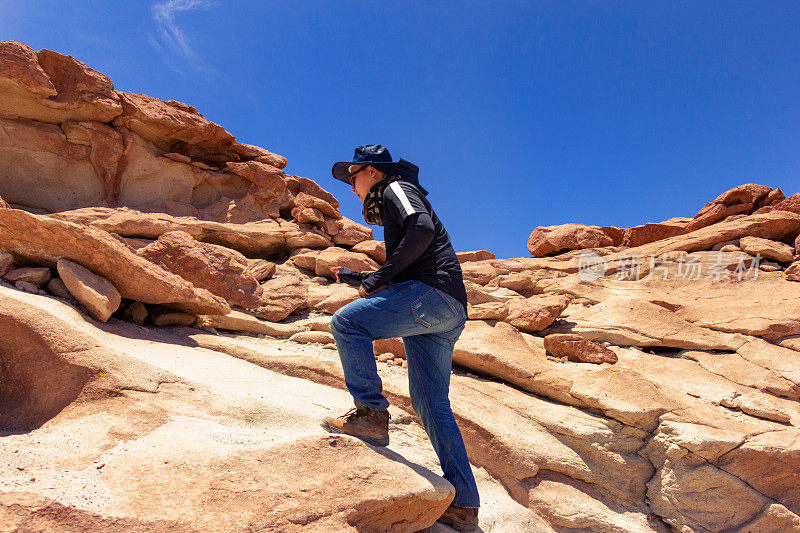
165,346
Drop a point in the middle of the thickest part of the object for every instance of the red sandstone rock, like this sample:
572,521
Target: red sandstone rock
335,256
768,249
734,201
477,255
35,275
220,270
45,240
95,292
576,348
375,249
351,233
51,87
166,123
546,240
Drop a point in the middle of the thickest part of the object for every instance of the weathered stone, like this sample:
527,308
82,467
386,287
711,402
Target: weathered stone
305,337
26,286
265,238
535,313
282,295
51,87
95,293
136,312
219,270
649,232
546,240
254,152
56,287
351,233
738,200
487,311
247,323
45,170
45,240
375,249
790,204
576,348
306,200
777,251
335,256
165,123
476,255
308,215
35,275
167,317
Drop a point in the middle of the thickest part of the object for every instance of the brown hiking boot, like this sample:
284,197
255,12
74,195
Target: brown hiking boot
460,518
367,424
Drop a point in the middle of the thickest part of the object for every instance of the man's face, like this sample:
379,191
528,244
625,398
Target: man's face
363,179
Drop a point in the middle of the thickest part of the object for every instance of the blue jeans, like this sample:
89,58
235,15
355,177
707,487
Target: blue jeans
429,321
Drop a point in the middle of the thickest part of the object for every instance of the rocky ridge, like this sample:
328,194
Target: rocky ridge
166,350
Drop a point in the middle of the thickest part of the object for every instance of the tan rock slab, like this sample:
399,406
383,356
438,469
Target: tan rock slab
322,337
165,123
335,256
266,238
535,313
545,240
51,87
375,249
576,348
38,276
351,233
45,240
247,323
220,270
776,251
95,293
474,255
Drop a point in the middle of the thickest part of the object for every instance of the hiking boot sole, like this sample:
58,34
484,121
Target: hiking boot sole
458,526
369,440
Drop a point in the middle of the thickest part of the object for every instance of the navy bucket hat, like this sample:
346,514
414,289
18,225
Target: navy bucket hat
378,156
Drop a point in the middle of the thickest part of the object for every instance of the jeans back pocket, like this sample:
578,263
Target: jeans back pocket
431,309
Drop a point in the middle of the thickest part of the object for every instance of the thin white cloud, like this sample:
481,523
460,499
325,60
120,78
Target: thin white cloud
171,39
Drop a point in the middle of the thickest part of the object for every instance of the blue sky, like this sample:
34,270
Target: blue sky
519,114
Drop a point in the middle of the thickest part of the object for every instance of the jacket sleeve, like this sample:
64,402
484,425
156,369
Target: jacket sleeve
419,232
351,277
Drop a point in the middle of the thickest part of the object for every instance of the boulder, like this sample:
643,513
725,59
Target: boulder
790,204
265,238
535,313
768,249
51,87
305,200
219,270
44,240
247,323
36,275
167,123
259,154
282,295
476,255
335,256
136,312
576,348
299,184
351,233
94,292
649,232
547,240
375,249
6,263
739,200
305,337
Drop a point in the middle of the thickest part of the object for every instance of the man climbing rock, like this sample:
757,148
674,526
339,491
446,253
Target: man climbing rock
418,294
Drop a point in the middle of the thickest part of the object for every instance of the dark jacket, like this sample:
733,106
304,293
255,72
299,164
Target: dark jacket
417,245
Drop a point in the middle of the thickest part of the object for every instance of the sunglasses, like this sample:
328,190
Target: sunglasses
352,174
